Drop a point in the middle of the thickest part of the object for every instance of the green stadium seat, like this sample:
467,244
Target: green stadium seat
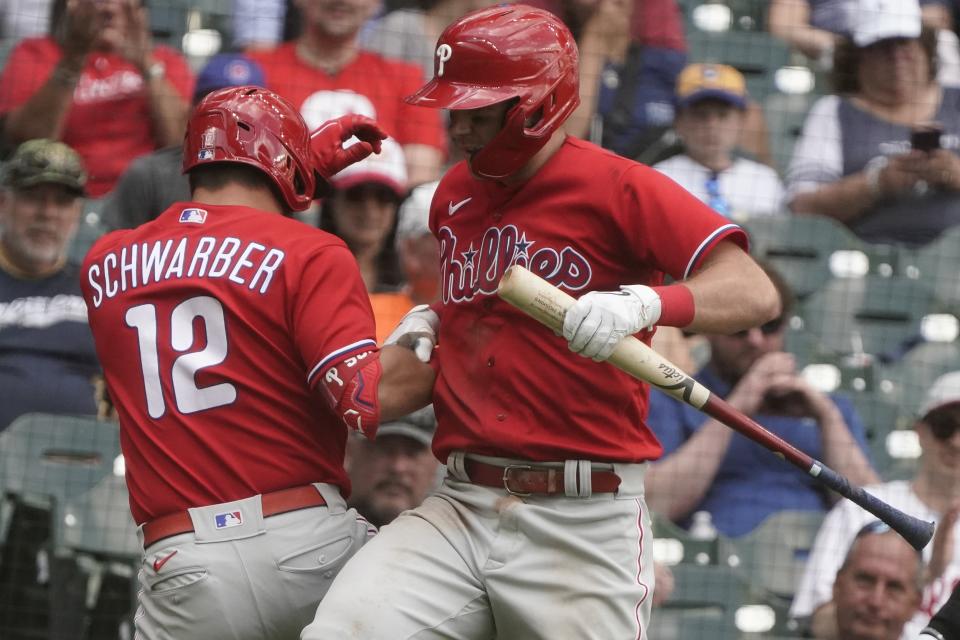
881,416
872,315
98,521
703,605
756,54
95,548
774,554
938,265
46,456
920,367
45,461
799,247
785,114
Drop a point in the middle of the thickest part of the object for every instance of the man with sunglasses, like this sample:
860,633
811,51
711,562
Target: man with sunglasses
706,467
932,494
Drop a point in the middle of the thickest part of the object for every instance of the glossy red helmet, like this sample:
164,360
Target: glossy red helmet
254,126
501,53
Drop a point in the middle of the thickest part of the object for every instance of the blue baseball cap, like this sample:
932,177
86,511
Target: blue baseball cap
227,70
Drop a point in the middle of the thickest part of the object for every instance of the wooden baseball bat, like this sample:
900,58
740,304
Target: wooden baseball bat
545,303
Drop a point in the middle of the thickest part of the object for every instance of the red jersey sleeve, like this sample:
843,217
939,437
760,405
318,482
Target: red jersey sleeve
27,70
666,225
417,125
331,314
177,70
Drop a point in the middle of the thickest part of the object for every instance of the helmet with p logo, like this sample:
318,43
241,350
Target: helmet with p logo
504,53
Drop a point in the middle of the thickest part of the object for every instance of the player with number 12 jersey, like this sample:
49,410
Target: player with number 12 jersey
200,303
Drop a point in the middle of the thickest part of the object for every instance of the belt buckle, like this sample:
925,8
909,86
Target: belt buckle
506,479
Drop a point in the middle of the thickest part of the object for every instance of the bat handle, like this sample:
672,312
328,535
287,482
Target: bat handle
914,530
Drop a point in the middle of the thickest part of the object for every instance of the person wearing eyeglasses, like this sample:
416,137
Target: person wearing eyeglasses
711,111
707,467
878,585
932,494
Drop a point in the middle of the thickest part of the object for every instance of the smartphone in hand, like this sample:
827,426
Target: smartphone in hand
926,137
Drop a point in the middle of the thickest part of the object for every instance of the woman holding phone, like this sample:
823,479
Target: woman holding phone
882,154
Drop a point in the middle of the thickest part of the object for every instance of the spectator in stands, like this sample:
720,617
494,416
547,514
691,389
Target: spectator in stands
854,160
98,84
326,75
631,52
411,33
155,181
362,211
877,588
395,472
933,494
706,467
815,28
258,24
417,248
47,359
711,104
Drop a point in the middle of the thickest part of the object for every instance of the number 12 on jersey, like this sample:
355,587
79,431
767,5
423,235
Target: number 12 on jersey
189,398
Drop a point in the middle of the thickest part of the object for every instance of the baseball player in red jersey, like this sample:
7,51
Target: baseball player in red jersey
540,529
237,344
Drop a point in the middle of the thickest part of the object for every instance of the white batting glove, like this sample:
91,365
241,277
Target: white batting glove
417,331
598,321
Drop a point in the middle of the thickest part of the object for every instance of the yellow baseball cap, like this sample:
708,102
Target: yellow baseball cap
718,81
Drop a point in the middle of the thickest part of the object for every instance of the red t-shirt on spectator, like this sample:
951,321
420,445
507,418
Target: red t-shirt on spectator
370,85
109,122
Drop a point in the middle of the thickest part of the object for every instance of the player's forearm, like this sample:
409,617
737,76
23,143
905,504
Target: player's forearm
591,66
842,453
844,200
790,21
405,385
168,111
677,483
731,292
44,114
823,623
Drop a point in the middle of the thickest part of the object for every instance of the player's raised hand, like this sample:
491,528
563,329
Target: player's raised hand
601,319
417,331
327,141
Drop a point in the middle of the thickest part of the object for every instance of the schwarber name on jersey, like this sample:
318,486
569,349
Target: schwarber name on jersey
506,385
190,312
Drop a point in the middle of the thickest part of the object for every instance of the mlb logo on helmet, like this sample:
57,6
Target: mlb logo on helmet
194,216
208,144
227,519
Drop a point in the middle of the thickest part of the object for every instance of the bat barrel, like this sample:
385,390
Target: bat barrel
914,530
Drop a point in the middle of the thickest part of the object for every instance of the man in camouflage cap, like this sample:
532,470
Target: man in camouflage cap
46,350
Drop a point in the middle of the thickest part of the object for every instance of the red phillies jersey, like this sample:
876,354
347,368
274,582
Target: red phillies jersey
214,325
588,220
109,121
370,85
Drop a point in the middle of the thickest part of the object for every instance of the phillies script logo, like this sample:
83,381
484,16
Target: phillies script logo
477,269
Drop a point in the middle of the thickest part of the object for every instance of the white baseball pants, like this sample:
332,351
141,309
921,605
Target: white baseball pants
476,563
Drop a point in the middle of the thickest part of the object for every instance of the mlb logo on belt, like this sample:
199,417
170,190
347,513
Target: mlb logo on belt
227,519
195,216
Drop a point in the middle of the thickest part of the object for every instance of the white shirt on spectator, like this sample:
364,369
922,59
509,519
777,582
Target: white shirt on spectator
834,539
750,188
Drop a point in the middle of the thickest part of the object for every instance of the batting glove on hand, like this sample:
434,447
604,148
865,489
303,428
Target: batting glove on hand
598,321
417,331
330,156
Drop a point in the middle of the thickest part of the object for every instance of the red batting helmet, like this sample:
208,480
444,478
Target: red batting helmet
499,53
254,126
